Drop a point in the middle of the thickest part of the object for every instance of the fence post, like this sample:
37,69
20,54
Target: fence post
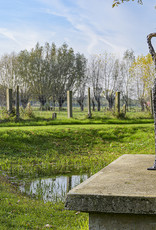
9,100
54,116
117,102
69,104
17,103
89,104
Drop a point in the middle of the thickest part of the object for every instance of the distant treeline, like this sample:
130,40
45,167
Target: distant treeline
46,73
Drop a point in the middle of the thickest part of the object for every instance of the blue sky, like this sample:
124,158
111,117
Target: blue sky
89,26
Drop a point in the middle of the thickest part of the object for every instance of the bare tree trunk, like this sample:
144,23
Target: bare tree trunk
80,102
98,105
142,103
82,107
153,54
24,102
61,100
54,104
126,102
93,103
42,100
110,104
110,98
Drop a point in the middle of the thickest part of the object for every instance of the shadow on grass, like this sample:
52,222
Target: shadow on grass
44,152
66,141
73,121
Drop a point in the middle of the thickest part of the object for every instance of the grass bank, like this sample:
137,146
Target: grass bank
47,150
36,151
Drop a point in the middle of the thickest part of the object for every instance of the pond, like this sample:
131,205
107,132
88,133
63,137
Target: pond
52,189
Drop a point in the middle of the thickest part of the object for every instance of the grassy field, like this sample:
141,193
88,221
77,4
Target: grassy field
41,148
43,118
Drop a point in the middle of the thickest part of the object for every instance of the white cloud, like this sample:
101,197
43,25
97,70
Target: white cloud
89,19
98,24
88,26
17,39
8,34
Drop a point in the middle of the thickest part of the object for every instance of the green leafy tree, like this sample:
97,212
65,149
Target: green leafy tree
143,73
39,74
65,73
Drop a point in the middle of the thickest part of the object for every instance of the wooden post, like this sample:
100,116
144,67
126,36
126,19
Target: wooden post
117,102
9,100
17,104
89,104
69,104
54,116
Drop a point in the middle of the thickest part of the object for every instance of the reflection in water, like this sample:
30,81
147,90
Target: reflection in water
52,189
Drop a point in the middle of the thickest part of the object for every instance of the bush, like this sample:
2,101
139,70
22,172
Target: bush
6,115
27,112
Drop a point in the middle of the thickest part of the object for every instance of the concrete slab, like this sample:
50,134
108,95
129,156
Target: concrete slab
124,186
103,221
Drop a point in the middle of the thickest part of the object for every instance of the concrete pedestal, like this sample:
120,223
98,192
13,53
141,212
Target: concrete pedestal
120,196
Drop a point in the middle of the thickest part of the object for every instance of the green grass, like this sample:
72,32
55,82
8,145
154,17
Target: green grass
21,212
48,150
44,118
36,151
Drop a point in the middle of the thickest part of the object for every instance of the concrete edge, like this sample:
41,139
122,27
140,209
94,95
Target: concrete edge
111,204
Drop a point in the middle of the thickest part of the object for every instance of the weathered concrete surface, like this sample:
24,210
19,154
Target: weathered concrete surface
124,186
121,222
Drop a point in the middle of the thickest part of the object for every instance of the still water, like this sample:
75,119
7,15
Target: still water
52,189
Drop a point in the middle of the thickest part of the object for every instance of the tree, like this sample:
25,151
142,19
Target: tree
113,83
45,73
9,77
118,2
51,56
95,76
112,79
39,74
2,95
81,79
23,73
65,73
49,71
128,59
104,73
9,70
143,74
